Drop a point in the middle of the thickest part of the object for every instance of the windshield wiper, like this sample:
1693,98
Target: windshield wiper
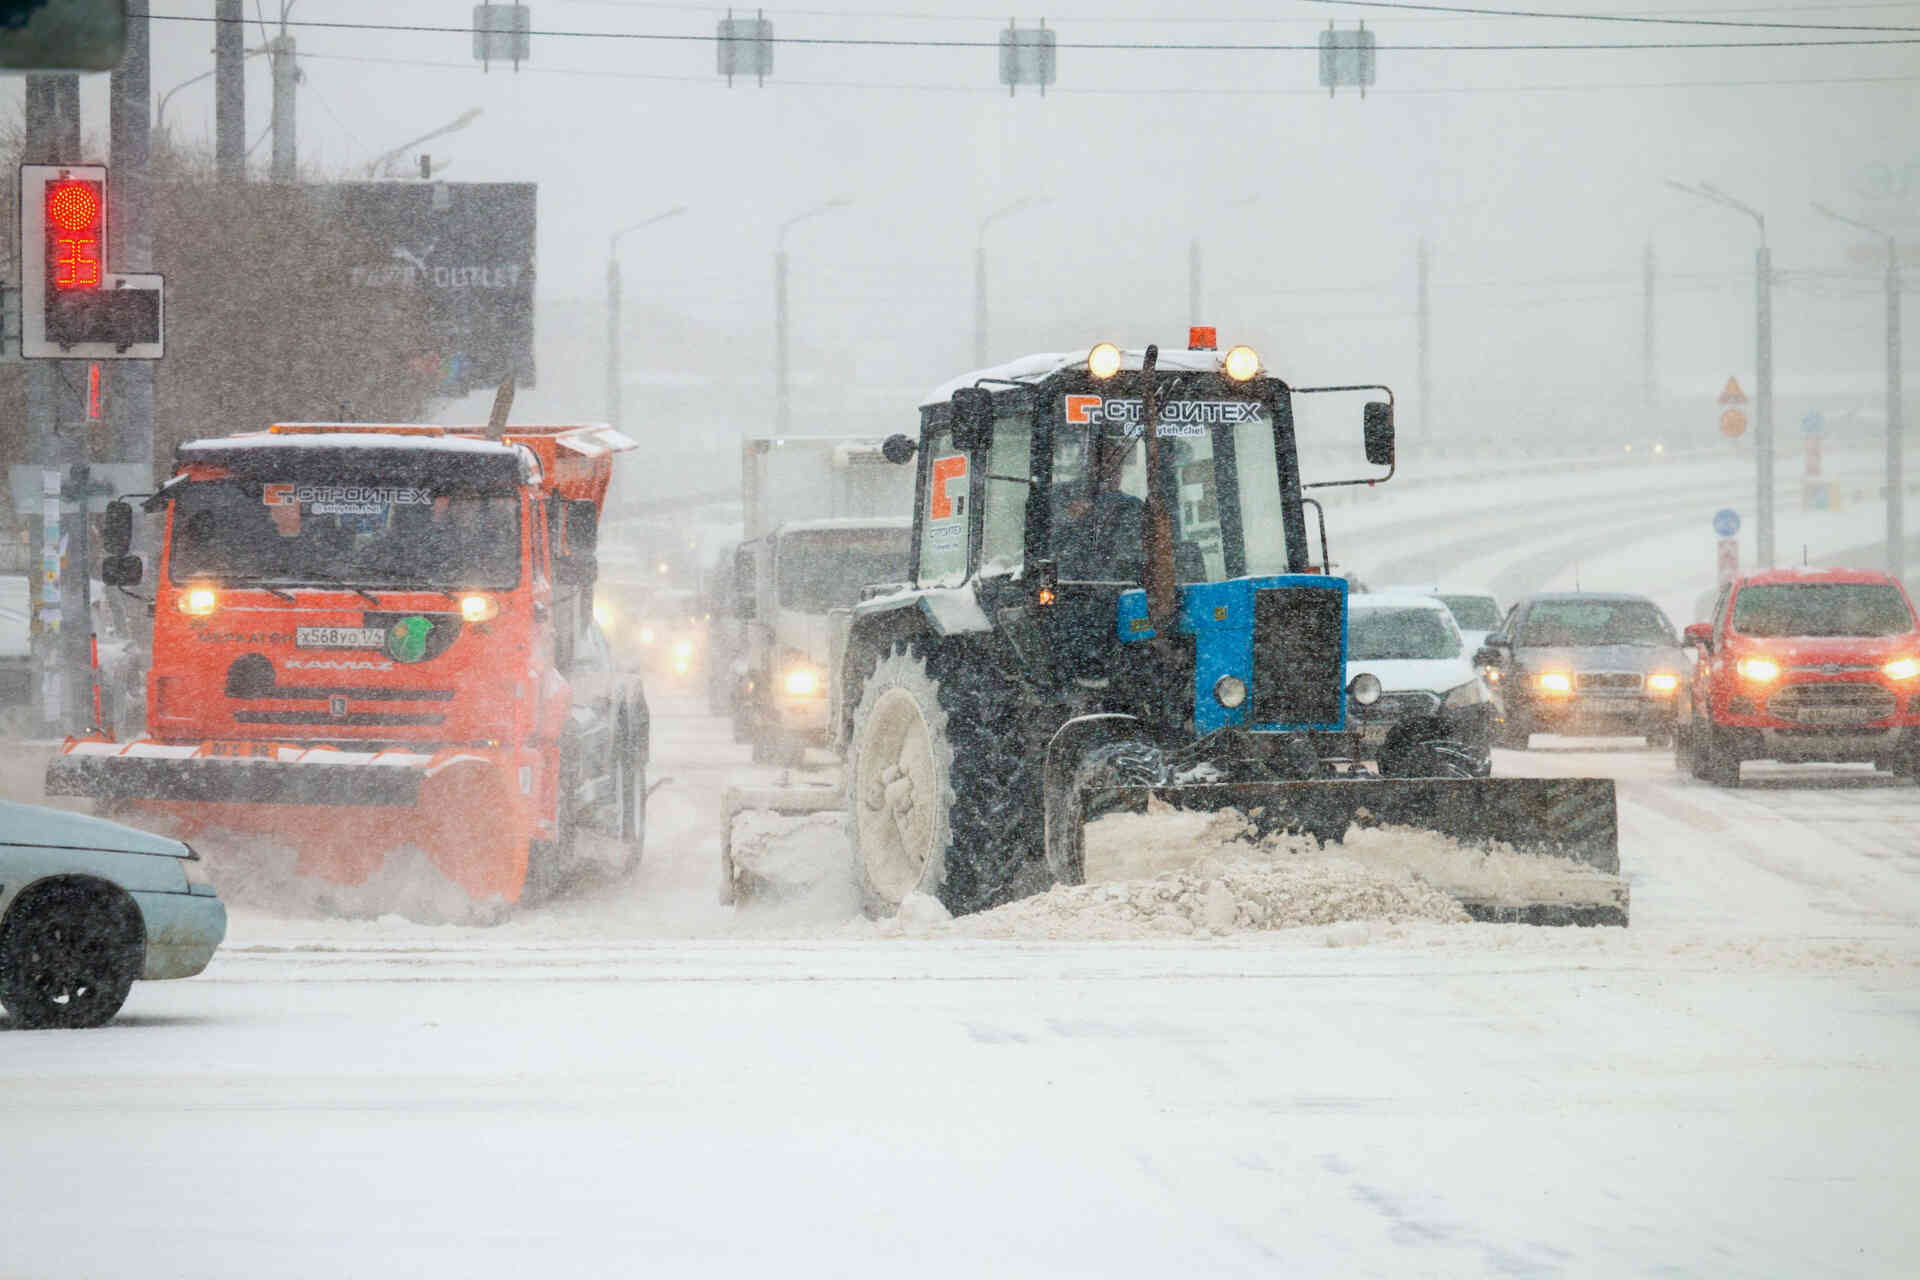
324,576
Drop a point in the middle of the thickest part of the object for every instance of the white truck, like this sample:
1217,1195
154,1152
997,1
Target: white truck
825,517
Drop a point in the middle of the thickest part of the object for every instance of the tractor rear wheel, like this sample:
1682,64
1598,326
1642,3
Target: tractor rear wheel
1435,757
942,797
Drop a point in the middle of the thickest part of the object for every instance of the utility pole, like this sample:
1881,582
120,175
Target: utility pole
1193,282
286,74
1896,424
1650,395
230,90
57,449
613,307
1426,366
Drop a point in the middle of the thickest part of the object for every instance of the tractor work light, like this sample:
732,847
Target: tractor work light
1555,682
1902,669
198,602
1758,670
1662,682
478,608
1242,364
1230,691
1104,360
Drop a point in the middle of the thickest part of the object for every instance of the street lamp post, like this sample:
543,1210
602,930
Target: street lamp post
783,399
613,307
1896,427
378,167
1194,294
980,273
1763,371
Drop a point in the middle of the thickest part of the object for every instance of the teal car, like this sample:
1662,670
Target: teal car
87,906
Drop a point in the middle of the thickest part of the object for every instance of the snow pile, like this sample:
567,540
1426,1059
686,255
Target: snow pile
793,863
260,873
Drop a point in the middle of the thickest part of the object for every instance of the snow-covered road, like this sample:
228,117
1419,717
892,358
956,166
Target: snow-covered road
636,1080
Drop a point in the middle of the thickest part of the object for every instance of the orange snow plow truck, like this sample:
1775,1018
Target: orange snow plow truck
378,638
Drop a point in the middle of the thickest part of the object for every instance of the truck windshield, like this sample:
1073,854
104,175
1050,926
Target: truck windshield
1097,508
368,534
1380,635
1822,609
826,568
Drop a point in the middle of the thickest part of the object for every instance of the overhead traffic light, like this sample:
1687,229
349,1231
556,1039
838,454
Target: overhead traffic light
71,306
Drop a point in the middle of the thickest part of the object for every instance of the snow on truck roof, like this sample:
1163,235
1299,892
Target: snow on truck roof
1037,368
826,523
345,440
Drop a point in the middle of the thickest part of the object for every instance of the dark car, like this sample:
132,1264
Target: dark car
1587,663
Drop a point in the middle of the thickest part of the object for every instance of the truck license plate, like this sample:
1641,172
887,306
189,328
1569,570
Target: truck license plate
339,637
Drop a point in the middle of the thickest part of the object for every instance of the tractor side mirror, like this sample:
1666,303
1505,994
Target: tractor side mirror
1377,428
898,449
972,418
1700,634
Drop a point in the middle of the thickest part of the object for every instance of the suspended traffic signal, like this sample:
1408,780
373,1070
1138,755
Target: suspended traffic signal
71,305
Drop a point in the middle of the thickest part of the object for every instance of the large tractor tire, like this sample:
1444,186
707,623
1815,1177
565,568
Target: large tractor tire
943,797
1435,756
69,953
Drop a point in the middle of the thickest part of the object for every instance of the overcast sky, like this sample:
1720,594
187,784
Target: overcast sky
1537,177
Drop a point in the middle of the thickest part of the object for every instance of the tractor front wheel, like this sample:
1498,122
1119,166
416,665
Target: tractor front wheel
942,797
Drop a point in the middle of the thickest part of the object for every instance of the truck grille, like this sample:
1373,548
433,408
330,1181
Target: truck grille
1609,681
1298,662
1840,703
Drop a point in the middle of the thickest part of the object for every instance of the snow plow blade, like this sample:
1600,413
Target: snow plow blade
342,811
737,882
1574,820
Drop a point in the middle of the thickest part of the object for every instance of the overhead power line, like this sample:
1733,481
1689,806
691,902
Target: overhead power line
1604,17
1143,46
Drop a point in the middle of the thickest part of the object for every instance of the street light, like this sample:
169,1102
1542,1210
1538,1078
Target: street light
980,272
613,307
378,167
783,402
1896,429
1763,372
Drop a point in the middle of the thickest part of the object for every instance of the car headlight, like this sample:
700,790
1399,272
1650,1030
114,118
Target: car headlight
1229,691
1470,694
1555,682
1902,669
802,682
683,649
1662,682
1758,670
646,635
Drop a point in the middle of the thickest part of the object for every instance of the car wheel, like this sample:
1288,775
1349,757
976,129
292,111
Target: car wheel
1683,748
69,954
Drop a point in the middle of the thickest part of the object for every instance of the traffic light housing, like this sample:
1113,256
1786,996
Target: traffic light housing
71,305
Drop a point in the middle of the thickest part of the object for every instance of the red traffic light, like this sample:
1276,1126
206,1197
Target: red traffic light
73,206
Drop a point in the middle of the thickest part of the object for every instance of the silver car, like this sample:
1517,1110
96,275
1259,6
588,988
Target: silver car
87,906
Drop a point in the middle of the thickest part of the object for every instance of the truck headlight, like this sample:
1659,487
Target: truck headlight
1470,694
1662,682
802,682
1555,682
198,602
1229,691
479,608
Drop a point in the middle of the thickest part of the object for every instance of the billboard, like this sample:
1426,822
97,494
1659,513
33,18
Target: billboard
467,248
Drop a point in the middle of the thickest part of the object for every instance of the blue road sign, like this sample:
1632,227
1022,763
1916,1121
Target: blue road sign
1814,424
1726,522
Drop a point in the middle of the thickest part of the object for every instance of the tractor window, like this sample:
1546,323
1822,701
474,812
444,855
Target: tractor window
1263,528
949,493
1009,460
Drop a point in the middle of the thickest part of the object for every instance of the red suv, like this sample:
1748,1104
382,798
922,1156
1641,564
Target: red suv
1819,665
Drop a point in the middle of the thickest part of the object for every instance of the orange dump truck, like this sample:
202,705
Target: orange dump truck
376,638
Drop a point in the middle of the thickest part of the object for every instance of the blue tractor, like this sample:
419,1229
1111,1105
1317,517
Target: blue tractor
1099,614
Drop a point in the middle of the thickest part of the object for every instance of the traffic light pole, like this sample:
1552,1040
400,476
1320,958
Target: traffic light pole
230,90
57,448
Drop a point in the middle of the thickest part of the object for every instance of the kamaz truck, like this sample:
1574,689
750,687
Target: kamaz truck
1112,601
370,639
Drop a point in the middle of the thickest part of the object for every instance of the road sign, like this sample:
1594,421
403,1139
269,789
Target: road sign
1814,424
1733,423
1727,560
1732,394
1726,522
